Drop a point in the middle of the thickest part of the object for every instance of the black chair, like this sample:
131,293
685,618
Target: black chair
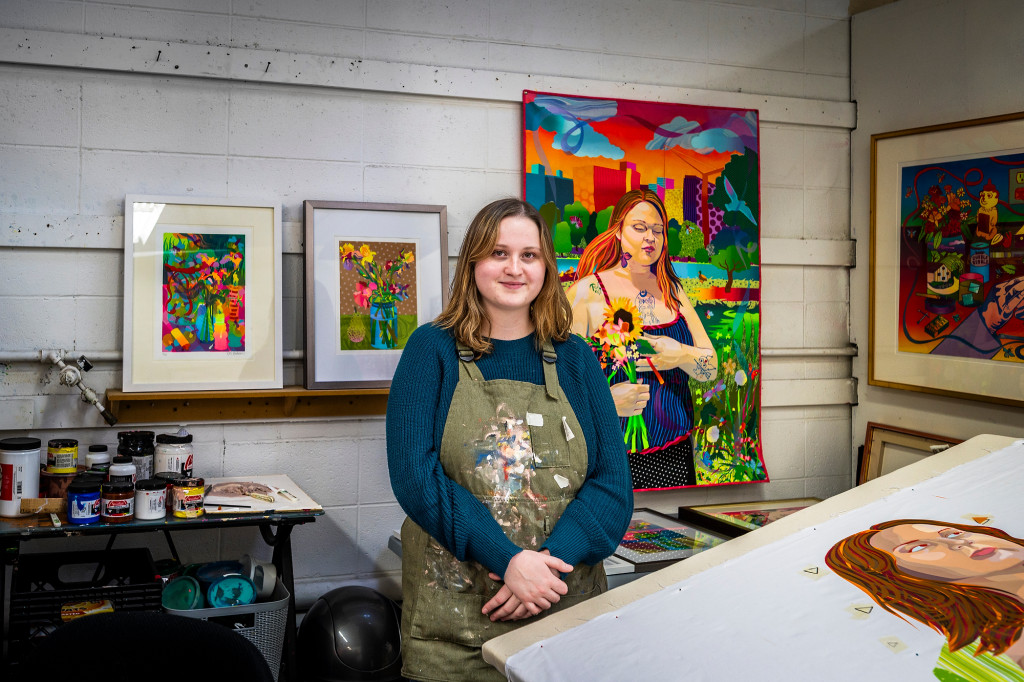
144,645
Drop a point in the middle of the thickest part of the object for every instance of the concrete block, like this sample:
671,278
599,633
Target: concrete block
828,447
827,158
309,11
38,180
157,24
462,191
153,114
782,156
745,78
376,523
43,15
826,284
462,18
97,272
291,36
783,444
783,369
39,108
292,181
782,283
108,176
212,6
25,328
828,8
295,123
826,213
505,133
782,215
29,272
783,325
784,5
98,322
827,325
374,482
425,132
756,37
827,45
835,88
16,413
824,487
499,184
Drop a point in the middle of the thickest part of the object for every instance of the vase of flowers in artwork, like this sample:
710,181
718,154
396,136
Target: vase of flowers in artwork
378,290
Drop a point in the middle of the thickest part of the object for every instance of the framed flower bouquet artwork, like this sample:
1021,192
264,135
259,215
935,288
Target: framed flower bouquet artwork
374,272
202,294
947,259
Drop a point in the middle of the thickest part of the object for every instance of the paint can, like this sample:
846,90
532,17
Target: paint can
173,453
188,498
139,446
19,473
150,499
98,457
117,502
979,261
84,501
62,456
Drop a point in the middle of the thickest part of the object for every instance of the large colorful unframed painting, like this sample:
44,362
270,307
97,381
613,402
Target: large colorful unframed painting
961,258
378,295
203,293
581,156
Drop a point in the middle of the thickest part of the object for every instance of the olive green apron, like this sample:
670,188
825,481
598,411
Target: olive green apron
520,450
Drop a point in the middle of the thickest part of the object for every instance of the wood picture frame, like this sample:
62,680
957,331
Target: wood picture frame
947,259
739,518
887,448
202,294
388,265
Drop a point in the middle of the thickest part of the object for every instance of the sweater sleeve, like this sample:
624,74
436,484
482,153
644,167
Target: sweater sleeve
418,405
594,523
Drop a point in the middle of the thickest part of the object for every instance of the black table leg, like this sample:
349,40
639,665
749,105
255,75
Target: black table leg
282,558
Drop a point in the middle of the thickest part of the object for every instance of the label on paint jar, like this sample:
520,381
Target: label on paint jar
118,508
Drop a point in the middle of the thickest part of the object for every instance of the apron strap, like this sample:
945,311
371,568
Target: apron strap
550,372
467,363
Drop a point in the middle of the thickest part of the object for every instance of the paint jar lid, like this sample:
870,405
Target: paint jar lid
170,438
122,459
99,447
171,477
231,590
150,484
63,443
20,443
118,487
190,482
181,594
85,484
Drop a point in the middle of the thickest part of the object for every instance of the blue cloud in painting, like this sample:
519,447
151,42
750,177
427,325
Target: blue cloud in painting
738,132
570,120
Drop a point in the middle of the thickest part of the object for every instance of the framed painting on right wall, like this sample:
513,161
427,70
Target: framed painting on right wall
947,259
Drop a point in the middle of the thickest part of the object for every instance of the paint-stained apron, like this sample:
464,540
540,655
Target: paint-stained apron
519,449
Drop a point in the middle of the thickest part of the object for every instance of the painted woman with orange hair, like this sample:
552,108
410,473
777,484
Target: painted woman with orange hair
966,582
628,265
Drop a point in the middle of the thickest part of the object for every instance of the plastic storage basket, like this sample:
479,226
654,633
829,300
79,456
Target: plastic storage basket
41,583
262,623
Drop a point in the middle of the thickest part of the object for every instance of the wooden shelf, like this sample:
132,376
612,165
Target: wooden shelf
290,402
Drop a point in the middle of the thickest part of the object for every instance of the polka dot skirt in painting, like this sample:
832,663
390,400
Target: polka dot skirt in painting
668,468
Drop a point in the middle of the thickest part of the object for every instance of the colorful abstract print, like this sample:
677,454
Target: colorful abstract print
203,293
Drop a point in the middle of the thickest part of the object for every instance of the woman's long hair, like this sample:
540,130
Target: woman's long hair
465,315
962,613
605,250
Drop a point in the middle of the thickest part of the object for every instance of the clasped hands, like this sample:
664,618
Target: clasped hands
532,585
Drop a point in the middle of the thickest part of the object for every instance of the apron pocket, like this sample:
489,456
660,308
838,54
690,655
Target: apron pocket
455,617
549,444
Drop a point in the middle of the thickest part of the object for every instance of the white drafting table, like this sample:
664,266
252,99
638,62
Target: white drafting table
579,638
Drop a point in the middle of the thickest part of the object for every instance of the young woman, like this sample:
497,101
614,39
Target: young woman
966,582
629,260
504,451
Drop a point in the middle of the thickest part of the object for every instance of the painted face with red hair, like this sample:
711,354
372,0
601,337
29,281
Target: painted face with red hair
642,234
949,554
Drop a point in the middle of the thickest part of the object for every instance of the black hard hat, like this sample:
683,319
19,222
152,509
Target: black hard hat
349,634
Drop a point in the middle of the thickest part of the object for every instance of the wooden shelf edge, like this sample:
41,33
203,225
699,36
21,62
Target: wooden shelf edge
290,402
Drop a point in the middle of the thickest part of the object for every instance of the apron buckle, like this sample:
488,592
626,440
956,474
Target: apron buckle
550,356
466,355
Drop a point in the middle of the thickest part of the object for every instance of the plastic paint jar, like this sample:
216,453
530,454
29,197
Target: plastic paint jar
150,499
19,473
84,500
139,446
122,471
117,502
98,457
173,453
187,502
169,478
62,456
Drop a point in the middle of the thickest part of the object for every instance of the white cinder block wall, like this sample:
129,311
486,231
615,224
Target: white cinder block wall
411,101
976,47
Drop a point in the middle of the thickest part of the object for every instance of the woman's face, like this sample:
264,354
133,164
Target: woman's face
643,234
512,276
948,554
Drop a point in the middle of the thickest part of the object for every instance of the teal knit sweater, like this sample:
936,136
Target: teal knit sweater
591,526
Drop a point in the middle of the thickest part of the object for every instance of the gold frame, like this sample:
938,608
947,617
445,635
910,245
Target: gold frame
972,378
